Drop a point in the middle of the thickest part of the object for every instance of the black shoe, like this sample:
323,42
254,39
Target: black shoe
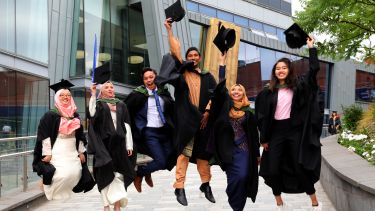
181,197
206,189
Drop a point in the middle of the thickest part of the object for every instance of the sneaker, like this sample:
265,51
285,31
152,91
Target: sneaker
317,208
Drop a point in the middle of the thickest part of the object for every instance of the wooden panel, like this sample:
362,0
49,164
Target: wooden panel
212,53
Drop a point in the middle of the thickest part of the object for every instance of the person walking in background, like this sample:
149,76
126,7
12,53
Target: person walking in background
151,113
290,123
111,143
334,123
59,153
236,141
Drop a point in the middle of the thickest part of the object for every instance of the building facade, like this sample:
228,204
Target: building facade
47,40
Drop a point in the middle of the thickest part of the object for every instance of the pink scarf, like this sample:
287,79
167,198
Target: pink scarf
68,124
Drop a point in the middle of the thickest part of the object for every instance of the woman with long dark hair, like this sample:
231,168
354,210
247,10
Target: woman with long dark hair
290,122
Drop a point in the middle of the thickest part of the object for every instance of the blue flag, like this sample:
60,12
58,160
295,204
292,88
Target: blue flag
94,60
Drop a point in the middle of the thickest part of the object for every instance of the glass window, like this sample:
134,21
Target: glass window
255,67
264,2
207,10
268,58
8,105
121,39
192,6
241,21
269,29
286,7
249,74
7,25
23,101
77,61
256,25
275,4
224,16
97,23
198,37
138,51
32,29
365,86
280,34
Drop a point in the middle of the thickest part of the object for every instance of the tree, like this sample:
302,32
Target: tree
350,25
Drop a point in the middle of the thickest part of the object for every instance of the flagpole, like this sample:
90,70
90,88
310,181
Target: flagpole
94,60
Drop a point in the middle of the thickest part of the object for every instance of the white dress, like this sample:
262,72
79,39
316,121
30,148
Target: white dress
115,191
67,163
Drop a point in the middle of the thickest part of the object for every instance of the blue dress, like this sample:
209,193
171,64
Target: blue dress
238,171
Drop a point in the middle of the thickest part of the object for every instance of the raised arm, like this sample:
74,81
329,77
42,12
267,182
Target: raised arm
174,43
313,62
222,62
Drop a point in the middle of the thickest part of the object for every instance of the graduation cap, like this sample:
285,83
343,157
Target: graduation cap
175,11
295,36
225,38
63,84
102,74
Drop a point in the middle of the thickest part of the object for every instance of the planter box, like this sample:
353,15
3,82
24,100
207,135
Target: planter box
347,178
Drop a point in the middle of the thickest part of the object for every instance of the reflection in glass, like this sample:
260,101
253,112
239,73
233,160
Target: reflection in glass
121,39
23,101
7,25
207,10
32,29
198,37
255,67
97,23
224,16
8,104
365,86
77,58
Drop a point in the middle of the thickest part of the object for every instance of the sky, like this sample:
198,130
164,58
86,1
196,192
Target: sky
296,6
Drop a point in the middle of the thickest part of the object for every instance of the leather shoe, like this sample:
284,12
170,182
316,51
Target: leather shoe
138,183
181,197
148,180
206,189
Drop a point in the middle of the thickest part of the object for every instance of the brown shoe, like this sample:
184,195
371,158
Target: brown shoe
149,180
138,183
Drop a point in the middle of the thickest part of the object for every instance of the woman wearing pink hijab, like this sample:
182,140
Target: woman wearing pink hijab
61,143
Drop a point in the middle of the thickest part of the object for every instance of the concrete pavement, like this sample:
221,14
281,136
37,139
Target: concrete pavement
161,197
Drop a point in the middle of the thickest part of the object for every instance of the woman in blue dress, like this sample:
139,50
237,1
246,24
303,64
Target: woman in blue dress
236,141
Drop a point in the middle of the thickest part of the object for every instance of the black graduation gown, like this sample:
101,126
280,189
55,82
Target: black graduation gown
187,116
135,101
305,115
109,145
223,137
48,127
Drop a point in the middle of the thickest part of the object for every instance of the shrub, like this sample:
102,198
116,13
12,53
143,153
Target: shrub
352,115
367,123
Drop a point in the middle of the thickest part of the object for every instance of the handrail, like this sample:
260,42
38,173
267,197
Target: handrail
21,154
16,154
16,138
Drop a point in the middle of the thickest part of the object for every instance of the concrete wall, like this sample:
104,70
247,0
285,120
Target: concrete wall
348,179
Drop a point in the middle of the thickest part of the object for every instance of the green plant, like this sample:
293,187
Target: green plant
352,115
367,123
360,144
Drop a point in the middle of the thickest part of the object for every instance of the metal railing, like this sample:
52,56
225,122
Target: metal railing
24,153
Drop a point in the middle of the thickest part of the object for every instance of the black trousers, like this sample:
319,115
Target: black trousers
286,174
